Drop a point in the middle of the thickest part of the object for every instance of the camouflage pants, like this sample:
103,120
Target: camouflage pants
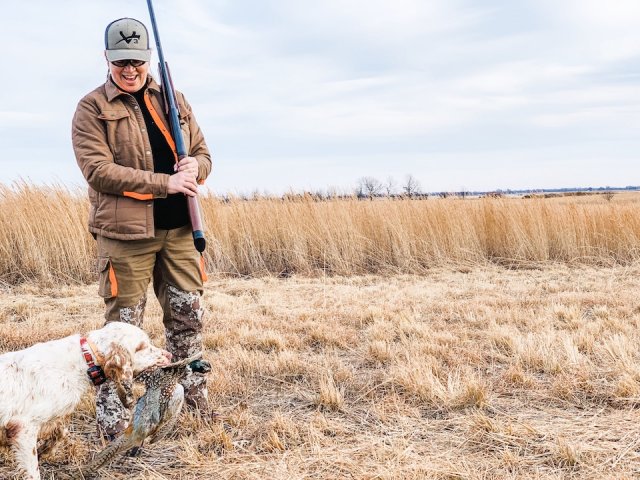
126,268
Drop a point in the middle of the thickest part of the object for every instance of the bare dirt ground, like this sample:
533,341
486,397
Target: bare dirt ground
479,373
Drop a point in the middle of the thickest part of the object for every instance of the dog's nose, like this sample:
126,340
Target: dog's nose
167,354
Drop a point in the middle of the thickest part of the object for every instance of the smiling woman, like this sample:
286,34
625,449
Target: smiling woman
138,215
129,77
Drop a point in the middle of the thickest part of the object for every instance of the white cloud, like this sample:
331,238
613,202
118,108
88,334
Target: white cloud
523,75
604,31
23,119
380,20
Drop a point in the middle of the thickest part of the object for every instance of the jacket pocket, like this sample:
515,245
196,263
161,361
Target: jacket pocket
118,126
107,281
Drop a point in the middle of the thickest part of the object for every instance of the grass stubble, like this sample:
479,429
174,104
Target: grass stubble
456,373
444,339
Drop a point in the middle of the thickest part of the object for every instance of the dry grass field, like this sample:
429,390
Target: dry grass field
504,347
454,374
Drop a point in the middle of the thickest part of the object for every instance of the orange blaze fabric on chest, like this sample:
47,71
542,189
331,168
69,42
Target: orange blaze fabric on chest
160,124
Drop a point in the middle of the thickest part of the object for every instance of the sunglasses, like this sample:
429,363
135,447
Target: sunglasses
124,63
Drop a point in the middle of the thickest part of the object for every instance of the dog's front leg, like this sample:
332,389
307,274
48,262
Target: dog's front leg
23,440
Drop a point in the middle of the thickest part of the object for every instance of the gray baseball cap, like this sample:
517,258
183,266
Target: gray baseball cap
127,38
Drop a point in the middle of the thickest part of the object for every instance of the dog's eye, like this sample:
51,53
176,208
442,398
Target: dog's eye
141,346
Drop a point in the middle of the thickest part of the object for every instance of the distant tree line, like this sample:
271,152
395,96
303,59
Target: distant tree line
371,187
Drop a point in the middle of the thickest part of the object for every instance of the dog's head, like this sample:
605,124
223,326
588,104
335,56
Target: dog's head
126,351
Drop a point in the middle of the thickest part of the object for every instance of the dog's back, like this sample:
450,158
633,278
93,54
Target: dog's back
38,383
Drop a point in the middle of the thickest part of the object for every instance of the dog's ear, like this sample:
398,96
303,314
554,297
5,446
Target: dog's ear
118,367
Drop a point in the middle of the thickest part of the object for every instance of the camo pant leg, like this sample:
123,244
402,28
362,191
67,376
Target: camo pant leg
183,332
112,416
178,284
134,314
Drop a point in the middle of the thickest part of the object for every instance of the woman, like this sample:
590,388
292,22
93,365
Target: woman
138,213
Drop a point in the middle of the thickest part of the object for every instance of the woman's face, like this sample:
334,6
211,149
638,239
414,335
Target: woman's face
129,78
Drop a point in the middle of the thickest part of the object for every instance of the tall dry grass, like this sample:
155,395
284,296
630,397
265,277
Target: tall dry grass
390,236
43,234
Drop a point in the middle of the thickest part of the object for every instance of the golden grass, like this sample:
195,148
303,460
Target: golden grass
43,234
477,373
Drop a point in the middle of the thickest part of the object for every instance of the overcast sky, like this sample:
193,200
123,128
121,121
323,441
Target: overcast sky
479,95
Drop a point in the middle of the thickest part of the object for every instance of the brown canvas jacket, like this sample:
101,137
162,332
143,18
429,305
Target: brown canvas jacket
113,151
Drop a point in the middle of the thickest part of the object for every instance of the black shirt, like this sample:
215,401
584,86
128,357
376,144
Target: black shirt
170,212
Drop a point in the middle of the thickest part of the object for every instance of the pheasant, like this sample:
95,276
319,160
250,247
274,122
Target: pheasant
155,413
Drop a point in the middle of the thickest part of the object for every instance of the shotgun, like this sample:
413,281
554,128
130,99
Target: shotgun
174,119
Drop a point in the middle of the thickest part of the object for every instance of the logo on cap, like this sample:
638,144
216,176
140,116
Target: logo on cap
128,39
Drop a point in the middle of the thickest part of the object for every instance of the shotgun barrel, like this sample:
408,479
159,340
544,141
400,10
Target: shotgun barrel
195,216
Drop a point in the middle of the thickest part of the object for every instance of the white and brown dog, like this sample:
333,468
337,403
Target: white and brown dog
46,381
